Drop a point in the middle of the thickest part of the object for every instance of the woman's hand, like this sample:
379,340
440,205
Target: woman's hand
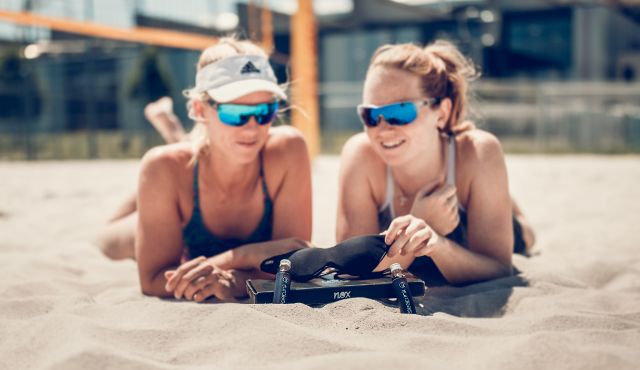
438,208
198,280
410,235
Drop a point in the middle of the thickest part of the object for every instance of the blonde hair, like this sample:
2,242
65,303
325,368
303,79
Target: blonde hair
226,47
444,73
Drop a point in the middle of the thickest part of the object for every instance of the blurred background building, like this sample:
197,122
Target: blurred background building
558,75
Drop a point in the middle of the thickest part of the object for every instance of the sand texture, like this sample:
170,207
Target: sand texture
575,304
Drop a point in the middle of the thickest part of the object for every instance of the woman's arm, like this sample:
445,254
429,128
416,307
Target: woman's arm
158,244
489,228
250,256
357,208
490,234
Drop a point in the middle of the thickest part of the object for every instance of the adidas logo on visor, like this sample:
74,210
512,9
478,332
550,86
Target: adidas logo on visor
249,68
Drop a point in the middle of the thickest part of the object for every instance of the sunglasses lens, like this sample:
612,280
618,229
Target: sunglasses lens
231,118
238,114
368,116
267,113
400,114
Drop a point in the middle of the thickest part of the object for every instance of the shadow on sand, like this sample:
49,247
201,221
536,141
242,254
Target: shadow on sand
485,299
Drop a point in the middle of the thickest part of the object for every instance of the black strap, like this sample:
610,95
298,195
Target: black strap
196,195
265,189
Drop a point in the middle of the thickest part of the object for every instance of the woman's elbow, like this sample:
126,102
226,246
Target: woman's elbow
504,270
150,291
149,287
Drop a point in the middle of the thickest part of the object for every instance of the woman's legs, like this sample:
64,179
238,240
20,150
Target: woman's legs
116,240
160,114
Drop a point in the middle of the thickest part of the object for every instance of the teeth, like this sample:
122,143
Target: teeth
392,144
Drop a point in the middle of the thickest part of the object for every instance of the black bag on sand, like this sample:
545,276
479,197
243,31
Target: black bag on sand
330,288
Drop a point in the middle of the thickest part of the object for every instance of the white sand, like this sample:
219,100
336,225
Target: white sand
576,305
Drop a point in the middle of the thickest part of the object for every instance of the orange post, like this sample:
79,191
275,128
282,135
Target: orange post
144,35
252,23
266,29
304,75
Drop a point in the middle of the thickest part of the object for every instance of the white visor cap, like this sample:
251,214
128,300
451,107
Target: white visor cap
231,78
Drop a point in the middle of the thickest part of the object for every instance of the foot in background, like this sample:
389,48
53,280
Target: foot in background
160,114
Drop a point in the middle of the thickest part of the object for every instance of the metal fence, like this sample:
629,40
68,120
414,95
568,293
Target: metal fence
87,106
74,109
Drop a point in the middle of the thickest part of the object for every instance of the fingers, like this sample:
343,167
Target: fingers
399,244
201,270
451,202
206,292
197,285
430,188
418,240
426,248
219,282
397,225
219,288
446,191
442,198
180,271
451,212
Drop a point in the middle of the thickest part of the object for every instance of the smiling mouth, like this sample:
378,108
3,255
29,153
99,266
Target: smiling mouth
392,144
247,143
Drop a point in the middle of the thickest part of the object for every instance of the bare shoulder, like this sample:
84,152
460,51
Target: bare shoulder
479,148
166,161
285,142
359,163
358,151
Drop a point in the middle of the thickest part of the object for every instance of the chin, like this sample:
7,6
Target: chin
244,155
393,157
244,158
394,160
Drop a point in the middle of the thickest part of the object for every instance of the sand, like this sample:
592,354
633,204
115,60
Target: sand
575,304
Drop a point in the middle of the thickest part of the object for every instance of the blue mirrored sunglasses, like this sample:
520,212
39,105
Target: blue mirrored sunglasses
240,114
398,114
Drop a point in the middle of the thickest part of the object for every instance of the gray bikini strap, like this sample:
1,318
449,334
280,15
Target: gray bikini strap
451,160
388,198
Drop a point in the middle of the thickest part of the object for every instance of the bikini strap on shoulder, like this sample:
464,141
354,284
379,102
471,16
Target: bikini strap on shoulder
196,193
265,189
451,159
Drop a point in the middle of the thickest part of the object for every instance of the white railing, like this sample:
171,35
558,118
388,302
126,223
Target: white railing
528,115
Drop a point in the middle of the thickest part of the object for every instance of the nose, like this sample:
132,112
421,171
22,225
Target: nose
383,124
252,123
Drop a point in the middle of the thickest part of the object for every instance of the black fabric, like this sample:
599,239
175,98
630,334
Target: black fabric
424,268
270,265
356,256
360,255
427,270
519,246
